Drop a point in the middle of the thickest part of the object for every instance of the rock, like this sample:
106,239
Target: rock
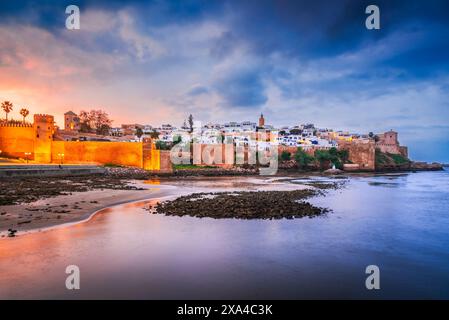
424,166
244,205
333,171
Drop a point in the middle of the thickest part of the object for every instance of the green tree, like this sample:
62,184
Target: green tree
303,158
190,123
162,145
323,157
330,156
296,131
104,130
343,155
333,152
285,156
154,134
139,132
177,139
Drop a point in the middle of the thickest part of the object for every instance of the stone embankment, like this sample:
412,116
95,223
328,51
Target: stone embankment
48,170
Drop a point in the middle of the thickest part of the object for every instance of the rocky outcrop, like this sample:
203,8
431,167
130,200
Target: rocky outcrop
411,166
424,166
243,205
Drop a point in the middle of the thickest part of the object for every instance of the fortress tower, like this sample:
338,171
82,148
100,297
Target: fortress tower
71,121
391,138
43,137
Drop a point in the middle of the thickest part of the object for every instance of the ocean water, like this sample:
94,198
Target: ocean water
399,223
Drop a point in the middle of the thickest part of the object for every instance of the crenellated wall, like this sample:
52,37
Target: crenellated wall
102,152
16,139
388,143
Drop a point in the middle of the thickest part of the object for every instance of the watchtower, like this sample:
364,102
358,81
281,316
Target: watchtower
43,137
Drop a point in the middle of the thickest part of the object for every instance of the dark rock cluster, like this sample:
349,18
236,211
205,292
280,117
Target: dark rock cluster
12,233
243,205
29,189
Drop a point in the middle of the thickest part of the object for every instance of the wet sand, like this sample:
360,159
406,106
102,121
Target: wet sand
124,252
75,207
79,206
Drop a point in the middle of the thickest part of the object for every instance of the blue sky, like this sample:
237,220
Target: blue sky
296,61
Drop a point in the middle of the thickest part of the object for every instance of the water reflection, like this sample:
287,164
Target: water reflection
153,181
124,252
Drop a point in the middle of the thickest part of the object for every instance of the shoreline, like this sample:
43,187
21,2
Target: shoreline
82,206
86,217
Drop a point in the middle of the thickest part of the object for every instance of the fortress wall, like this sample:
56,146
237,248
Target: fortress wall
120,153
214,154
290,149
389,148
165,161
361,153
404,151
310,150
16,140
151,159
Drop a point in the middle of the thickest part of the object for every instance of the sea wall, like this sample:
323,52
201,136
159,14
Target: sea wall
15,140
361,153
102,152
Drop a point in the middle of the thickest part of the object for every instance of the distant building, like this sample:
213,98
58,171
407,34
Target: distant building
130,129
117,132
388,142
261,121
71,121
248,126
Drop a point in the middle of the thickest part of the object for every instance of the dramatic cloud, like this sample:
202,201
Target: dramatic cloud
295,61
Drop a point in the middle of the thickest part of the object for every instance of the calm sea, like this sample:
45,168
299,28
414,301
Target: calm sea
399,223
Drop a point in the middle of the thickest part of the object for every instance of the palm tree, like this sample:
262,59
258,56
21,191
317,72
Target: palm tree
7,107
24,112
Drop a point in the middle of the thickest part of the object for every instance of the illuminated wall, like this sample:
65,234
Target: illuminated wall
43,136
15,140
102,152
37,139
361,152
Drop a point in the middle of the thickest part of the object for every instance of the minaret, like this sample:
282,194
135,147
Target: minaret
261,121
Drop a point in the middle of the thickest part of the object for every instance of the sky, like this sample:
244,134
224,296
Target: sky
155,62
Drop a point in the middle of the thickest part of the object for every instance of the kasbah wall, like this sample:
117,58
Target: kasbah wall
361,153
37,139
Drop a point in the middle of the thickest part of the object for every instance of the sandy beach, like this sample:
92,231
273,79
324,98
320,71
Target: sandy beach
64,209
50,211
